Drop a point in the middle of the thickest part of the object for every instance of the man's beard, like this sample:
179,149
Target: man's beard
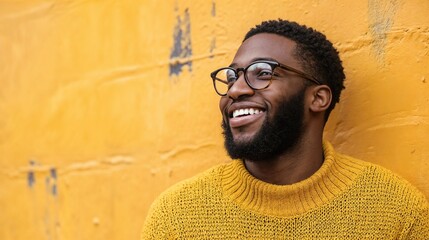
276,136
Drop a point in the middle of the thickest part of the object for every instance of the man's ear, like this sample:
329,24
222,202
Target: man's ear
321,98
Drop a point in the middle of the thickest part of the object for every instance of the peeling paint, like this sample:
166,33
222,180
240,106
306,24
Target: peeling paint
381,15
182,48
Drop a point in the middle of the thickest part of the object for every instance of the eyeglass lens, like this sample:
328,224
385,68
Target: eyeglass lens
258,76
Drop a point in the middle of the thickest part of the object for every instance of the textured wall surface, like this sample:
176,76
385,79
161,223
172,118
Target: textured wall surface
104,104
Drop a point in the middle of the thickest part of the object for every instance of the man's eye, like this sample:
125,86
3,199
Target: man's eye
231,78
265,75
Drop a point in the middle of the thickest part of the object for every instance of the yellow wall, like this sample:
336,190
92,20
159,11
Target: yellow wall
104,104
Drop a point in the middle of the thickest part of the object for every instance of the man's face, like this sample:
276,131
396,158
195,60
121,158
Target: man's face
275,121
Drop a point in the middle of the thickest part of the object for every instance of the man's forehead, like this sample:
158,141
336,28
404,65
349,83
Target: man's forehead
265,46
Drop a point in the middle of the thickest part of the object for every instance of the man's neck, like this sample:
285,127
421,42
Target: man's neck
290,167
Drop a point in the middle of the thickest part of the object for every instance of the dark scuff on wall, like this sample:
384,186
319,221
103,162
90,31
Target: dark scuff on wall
182,46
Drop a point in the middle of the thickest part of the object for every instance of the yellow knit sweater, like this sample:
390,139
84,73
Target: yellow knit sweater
345,199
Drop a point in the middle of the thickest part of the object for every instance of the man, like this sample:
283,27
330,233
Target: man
287,183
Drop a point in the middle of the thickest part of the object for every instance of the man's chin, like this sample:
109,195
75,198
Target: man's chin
242,138
246,132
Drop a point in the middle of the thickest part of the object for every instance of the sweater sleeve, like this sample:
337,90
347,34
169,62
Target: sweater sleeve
157,224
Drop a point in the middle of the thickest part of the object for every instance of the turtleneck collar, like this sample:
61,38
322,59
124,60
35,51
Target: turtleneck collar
333,177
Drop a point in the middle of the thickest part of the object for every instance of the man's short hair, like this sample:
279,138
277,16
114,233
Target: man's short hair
316,53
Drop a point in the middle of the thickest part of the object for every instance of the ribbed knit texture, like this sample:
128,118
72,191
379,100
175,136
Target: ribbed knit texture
345,199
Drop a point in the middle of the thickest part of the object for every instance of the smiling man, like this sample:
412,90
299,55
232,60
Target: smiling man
286,182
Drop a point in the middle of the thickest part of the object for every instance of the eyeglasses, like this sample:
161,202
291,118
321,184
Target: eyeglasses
258,75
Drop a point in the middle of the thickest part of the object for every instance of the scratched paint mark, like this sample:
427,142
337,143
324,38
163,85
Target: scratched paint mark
31,179
381,15
212,47
213,41
53,173
213,9
47,183
182,48
51,182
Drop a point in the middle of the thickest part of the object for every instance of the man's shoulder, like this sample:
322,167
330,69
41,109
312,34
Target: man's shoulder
384,183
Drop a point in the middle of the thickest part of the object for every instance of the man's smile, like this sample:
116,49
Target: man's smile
245,112
242,114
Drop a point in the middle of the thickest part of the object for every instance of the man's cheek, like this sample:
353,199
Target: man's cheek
223,103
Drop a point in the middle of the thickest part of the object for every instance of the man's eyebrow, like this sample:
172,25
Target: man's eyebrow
233,65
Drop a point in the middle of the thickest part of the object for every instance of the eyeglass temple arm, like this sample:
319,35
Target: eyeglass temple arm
303,74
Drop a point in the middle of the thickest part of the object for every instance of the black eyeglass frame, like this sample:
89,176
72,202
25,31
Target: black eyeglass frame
273,65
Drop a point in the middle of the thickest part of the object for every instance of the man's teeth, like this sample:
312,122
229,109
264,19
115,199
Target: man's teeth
245,111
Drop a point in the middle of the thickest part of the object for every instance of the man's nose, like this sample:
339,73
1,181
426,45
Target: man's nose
240,88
